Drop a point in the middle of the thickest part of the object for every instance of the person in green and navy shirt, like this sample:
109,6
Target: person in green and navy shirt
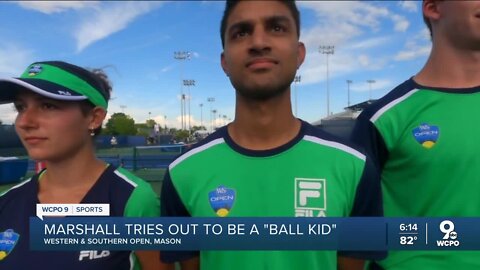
423,135
267,163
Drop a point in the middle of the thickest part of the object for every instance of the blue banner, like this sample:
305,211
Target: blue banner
358,233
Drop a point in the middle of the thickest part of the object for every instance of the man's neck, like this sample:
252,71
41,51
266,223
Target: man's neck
450,68
263,125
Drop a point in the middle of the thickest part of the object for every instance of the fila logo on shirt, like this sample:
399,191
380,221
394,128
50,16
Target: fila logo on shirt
93,254
310,197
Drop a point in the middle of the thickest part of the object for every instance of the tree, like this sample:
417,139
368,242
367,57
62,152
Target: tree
120,124
150,123
195,128
143,129
181,135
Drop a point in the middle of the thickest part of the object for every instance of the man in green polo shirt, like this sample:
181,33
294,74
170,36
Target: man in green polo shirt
423,135
267,163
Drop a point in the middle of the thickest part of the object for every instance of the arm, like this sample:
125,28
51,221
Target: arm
366,135
345,263
367,203
172,206
144,202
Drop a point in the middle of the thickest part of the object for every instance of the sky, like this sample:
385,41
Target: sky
384,42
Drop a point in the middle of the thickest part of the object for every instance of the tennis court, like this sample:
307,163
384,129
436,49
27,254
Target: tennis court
146,162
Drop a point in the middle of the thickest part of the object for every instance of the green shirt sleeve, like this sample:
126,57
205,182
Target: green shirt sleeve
143,201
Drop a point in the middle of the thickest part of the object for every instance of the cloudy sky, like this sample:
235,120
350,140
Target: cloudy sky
385,42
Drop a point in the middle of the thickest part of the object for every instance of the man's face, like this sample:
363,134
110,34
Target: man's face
459,22
262,51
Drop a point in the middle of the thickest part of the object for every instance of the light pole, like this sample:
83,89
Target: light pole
211,100
184,124
329,49
201,114
348,92
165,123
296,81
224,119
189,83
214,112
182,55
123,107
148,121
370,88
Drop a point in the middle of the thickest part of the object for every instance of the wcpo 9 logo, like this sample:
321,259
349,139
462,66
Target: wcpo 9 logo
447,227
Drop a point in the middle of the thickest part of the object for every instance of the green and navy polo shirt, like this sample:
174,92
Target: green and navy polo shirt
313,175
424,142
128,196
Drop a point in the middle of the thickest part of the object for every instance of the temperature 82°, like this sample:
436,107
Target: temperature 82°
408,240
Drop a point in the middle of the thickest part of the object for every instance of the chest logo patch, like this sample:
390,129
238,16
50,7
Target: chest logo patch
221,200
8,239
310,197
427,135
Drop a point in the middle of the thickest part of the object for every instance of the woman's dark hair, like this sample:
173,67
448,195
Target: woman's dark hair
101,79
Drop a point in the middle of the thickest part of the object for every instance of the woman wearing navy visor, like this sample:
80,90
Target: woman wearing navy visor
60,108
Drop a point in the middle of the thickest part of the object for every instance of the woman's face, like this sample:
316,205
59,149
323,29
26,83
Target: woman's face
51,130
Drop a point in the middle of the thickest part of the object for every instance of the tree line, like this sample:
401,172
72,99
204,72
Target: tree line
122,124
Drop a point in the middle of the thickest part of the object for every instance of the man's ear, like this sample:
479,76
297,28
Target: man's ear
224,64
430,9
300,54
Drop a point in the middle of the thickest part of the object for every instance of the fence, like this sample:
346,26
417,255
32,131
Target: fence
147,162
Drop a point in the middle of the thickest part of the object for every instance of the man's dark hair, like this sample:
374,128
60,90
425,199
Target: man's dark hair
231,4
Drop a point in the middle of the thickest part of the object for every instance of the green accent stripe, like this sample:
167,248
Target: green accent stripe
392,104
68,80
16,186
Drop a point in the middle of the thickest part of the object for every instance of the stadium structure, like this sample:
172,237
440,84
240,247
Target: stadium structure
341,124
